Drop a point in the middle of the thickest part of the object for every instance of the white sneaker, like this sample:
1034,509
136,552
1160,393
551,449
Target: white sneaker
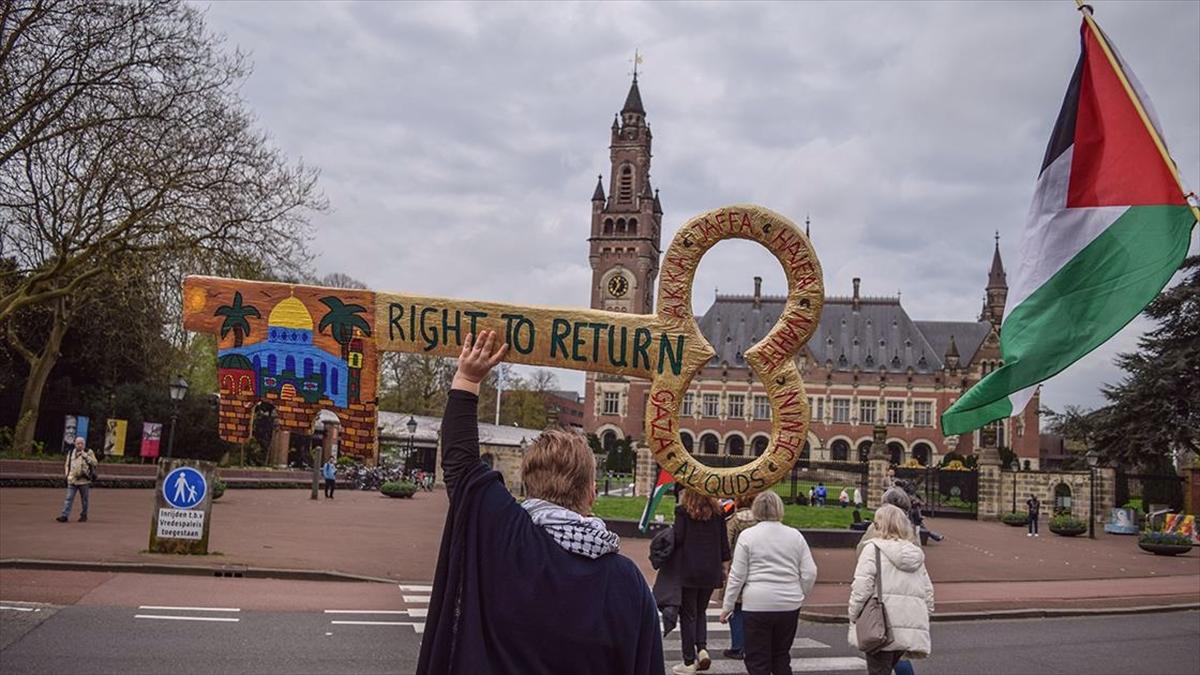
682,669
1028,534
1036,534
702,660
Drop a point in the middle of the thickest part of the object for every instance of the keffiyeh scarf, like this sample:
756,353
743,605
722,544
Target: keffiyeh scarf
587,537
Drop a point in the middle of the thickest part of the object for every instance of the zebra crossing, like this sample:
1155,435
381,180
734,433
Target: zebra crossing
806,657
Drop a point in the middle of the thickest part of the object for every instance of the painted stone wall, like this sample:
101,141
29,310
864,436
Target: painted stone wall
504,458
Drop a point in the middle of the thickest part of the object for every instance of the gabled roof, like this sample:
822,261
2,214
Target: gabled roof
878,334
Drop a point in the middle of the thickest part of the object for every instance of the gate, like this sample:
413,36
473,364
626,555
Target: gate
1147,492
943,492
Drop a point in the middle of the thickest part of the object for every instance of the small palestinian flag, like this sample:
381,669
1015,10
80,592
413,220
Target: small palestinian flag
1109,225
665,483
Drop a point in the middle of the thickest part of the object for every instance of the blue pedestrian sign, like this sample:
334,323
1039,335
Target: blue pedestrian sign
184,488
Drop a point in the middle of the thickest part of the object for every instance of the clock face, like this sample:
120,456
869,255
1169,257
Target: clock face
618,286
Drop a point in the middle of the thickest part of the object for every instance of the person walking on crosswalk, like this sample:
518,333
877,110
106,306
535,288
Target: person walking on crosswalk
702,544
904,588
773,571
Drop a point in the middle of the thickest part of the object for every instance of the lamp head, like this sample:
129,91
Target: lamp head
178,388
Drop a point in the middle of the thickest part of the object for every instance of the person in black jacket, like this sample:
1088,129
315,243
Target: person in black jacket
702,546
532,587
1034,507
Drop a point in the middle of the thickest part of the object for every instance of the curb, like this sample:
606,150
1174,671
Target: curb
1032,613
222,571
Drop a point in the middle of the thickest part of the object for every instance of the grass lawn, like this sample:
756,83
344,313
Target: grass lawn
784,489
630,508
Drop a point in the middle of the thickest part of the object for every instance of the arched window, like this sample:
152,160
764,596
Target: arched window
333,381
896,450
759,444
839,450
864,450
608,226
633,226
687,440
324,372
308,369
227,385
608,440
1062,498
289,364
625,187
710,444
620,226
271,364
734,445
257,364
922,452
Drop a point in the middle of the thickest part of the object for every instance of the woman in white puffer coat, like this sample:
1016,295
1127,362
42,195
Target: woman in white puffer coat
907,590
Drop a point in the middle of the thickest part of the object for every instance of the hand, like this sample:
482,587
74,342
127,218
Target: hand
477,359
725,617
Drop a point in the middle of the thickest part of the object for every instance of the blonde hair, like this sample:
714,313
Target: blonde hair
698,506
891,523
767,506
559,467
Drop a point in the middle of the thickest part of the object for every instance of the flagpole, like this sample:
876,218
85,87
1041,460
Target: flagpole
1086,10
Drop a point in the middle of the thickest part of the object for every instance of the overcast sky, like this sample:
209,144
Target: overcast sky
459,143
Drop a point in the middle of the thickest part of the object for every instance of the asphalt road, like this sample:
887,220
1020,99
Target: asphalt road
94,639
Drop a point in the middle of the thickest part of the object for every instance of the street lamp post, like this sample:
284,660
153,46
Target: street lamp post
1016,466
178,389
1093,458
412,430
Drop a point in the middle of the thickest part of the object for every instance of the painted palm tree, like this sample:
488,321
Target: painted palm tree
341,320
235,319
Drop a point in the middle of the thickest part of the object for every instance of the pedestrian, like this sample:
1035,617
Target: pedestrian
536,586
741,520
812,496
844,497
898,498
821,493
667,590
773,571
80,469
1034,507
329,471
858,500
702,542
903,586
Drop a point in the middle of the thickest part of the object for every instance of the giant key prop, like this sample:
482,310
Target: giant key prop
318,348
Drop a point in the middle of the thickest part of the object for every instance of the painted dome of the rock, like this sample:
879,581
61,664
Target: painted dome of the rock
291,313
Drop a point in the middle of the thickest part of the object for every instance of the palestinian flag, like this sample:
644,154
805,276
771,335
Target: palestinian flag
665,484
1109,225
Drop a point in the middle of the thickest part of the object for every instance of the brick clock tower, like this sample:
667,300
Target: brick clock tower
623,250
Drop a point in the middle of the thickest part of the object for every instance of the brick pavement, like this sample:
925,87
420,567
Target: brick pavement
367,534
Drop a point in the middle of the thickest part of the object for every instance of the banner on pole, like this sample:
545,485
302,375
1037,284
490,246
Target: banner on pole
114,437
151,433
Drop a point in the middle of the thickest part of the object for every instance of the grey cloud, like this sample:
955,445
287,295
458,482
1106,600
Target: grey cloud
459,143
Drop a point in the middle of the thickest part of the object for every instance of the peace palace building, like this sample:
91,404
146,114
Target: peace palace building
867,362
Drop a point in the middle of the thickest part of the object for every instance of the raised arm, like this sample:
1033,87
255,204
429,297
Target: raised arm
460,423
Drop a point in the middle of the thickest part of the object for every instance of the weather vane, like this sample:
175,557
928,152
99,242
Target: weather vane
637,60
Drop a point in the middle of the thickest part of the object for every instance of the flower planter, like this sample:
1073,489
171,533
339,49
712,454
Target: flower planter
1068,531
1165,549
1015,519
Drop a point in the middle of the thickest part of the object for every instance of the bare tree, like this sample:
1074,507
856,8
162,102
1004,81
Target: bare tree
157,160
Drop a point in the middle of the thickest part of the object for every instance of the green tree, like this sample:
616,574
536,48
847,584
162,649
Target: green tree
235,319
127,143
341,320
1153,414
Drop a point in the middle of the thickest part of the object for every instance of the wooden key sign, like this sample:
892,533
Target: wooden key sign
318,348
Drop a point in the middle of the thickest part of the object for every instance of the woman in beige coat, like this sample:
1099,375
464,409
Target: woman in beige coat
907,590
